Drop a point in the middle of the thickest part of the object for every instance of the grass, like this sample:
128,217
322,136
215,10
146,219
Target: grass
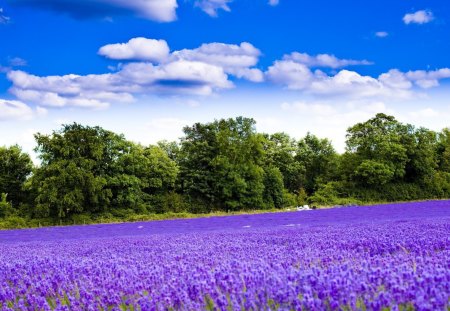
15,222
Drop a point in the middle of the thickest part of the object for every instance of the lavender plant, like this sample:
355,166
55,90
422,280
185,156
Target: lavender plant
386,257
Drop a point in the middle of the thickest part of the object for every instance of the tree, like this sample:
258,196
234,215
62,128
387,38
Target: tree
422,154
280,151
15,168
273,187
77,165
443,150
221,164
89,169
379,152
319,160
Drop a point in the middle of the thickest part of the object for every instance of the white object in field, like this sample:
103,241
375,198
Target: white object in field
140,227
303,208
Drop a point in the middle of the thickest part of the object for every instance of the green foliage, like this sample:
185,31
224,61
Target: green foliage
89,169
273,187
302,197
379,142
13,222
220,165
319,160
280,151
374,173
88,174
289,199
6,208
15,167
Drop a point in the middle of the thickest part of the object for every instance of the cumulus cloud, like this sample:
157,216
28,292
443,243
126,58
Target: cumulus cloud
274,2
14,110
157,10
419,17
211,7
428,79
294,72
97,91
323,60
236,60
200,71
137,49
381,34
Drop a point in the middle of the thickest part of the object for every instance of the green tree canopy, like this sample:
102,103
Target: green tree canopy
221,164
15,168
89,169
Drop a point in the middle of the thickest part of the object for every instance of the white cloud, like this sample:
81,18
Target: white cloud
274,2
234,59
428,79
395,79
14,110
137,49
157,10
291,74
98,91
381,34
295,73
323,60
211,7
296,76
419,17
200,71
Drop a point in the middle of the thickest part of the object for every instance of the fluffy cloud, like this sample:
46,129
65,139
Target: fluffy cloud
428,79
236,60
199,71
137,49
419,17
157,10
291,74
97,91
14,110
294,72
274,2
211,7
323,60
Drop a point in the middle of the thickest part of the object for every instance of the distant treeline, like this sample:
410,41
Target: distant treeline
88,172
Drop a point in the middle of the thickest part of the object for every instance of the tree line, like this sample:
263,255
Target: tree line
225,165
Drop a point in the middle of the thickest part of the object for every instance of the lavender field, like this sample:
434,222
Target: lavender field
386,257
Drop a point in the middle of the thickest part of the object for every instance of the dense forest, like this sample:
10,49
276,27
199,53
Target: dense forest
89,173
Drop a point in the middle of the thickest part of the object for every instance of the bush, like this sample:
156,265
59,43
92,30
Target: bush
13,222
289,199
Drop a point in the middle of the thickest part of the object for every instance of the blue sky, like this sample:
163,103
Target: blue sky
145,68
